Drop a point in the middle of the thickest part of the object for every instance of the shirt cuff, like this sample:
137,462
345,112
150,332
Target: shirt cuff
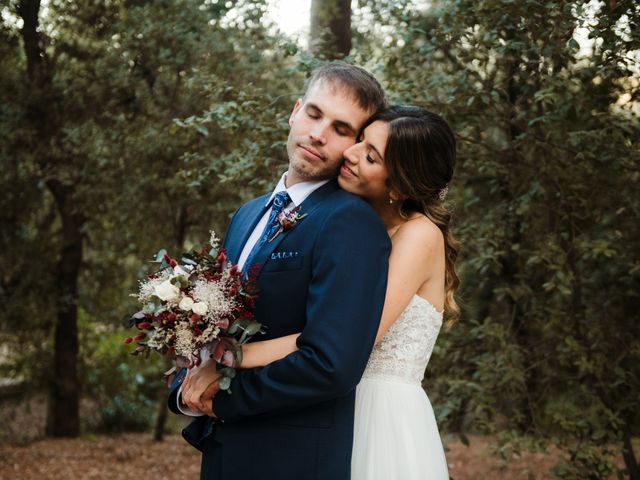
183,408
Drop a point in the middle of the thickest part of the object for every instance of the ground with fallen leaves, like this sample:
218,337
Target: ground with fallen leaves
137,456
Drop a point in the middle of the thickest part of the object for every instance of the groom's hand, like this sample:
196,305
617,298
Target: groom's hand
207,398
200,386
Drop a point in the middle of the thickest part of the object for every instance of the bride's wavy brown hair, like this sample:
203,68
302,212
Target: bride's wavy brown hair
420,157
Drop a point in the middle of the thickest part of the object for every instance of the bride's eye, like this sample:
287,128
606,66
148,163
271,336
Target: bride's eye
370,158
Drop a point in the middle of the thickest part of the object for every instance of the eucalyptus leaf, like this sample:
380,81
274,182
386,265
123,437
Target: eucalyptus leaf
160,255
225,383
252,328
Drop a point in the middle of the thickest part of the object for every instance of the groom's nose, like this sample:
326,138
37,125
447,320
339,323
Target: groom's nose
318,133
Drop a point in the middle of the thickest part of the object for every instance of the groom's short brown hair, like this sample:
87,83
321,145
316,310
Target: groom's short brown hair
355,81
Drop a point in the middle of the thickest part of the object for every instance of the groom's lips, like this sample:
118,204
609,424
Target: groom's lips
311,152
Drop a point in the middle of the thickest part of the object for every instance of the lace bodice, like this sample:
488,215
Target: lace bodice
404,351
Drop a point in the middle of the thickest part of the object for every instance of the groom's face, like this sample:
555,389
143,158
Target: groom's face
323,125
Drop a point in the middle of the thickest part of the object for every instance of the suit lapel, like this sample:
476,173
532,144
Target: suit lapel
246,224
312,202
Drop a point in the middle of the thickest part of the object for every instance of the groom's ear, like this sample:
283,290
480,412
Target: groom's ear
295,110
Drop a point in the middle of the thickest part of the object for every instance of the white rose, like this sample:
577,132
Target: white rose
201,308
186,303
167,291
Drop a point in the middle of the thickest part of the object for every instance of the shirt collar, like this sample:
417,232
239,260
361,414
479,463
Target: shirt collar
298,192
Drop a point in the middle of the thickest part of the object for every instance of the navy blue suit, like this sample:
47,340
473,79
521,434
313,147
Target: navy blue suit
326,278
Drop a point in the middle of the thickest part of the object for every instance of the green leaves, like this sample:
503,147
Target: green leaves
573,44
160,255
545,263
154,305
225,383
164,119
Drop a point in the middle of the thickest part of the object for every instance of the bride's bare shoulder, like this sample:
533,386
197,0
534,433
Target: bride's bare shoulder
419,229
419,241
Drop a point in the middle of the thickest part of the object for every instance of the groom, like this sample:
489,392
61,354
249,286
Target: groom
325,277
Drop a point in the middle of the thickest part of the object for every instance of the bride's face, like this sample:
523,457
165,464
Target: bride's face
363,172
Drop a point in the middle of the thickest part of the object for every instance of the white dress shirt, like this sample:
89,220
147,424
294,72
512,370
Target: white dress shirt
298,194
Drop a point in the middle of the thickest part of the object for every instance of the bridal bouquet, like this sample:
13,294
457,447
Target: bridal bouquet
195,308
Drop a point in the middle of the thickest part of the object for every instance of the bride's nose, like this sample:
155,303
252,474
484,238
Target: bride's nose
351,154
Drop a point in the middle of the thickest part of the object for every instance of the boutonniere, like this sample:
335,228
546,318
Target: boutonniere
288,220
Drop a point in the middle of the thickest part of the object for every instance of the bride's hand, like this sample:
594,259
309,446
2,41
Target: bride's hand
200,386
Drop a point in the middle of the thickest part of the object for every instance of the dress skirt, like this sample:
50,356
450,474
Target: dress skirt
395,433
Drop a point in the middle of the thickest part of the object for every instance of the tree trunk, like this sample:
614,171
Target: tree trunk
513,227
28,11
180,226
330,33
629,457
161,418
65,386
63,414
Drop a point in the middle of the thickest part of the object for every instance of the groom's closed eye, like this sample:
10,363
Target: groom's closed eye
313,112
343,129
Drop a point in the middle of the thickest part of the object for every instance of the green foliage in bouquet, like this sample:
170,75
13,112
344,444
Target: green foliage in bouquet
199,308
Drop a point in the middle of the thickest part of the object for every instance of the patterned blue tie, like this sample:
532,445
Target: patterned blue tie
280,201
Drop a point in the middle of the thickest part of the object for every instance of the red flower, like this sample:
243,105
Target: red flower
223,323
211,264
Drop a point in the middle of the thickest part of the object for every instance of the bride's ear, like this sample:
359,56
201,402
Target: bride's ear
394,197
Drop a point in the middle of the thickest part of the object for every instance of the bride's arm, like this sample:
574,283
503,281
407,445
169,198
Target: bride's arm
263,352
417,256
417,252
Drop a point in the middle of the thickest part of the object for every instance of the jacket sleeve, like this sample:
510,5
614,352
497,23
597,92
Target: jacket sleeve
345,299
172,402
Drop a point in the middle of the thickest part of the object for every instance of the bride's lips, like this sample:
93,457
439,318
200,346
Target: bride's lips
311,153
346,171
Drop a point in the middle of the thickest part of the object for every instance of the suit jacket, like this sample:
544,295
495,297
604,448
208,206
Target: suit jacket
326,278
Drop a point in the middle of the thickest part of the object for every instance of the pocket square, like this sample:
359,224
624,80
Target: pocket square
283,255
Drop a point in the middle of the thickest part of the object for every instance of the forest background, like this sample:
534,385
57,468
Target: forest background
131,125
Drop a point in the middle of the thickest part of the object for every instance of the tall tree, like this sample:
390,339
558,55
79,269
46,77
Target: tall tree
125,127
44,113
330,33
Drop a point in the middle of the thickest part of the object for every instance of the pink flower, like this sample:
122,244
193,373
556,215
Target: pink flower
288,220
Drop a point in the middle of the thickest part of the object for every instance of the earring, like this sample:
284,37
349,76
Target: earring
390,201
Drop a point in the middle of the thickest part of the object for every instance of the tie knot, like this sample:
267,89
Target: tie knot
280,201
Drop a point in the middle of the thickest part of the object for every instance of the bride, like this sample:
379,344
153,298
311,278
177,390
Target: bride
401,165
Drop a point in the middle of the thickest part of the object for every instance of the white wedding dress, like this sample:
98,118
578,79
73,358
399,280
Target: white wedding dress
395,431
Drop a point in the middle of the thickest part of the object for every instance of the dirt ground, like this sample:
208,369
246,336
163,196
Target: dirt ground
137,456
